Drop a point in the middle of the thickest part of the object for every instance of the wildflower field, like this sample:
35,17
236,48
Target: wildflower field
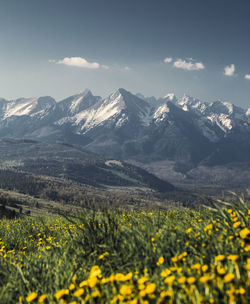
118,256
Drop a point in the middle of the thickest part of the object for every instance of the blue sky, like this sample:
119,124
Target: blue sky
59,47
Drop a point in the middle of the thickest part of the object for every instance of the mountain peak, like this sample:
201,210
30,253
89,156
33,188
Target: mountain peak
170,97
85,92
124,92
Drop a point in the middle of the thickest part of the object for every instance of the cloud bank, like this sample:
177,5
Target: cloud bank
229,70
79,62
247,76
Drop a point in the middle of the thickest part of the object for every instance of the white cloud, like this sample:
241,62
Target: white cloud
126,68
188,65
229,70
168,60
79,62
247,76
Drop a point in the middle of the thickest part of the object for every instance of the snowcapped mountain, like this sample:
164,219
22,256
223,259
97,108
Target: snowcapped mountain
223,114
128,126
115,111
39,107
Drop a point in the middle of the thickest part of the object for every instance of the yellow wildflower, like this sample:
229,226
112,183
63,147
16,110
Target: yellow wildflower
174,259
240,291
219,257
167,293
221,270
142,280
78,293
96,294
42,298
83,283
244,233
72,286
233,257
196,266
142,293
208,227
236,224
204,268
92,281
228,277
191,280
119,277
126,290
247,248
169,280
95,271
165,273
32,296
182,280
61,293
150,288
160,261
204,279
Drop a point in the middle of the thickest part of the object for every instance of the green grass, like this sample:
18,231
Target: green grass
122,256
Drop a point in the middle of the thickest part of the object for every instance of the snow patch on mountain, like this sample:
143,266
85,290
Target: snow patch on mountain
161,113
222,121
110,107
188,103
170,96
28,106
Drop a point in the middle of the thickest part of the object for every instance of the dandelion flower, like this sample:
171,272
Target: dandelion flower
32,296
160,261
191,280
78,293
61,293
220,257
42,298
150,288
244,233
233,257
228,277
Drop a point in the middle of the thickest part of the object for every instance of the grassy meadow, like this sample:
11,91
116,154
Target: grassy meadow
126,256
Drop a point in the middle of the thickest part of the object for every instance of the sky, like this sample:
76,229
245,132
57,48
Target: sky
61,47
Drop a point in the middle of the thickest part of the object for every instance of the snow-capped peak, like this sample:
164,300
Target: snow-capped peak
77,103
187,103
85,92
28,106
221,107
170,96
161,113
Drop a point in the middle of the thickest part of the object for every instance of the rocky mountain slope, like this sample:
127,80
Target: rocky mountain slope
185,131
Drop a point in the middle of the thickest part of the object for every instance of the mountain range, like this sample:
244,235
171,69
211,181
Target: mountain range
185,132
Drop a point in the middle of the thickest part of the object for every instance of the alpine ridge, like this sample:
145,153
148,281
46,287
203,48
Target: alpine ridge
132,127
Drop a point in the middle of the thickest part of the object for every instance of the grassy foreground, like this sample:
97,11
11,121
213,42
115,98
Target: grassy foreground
173,256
